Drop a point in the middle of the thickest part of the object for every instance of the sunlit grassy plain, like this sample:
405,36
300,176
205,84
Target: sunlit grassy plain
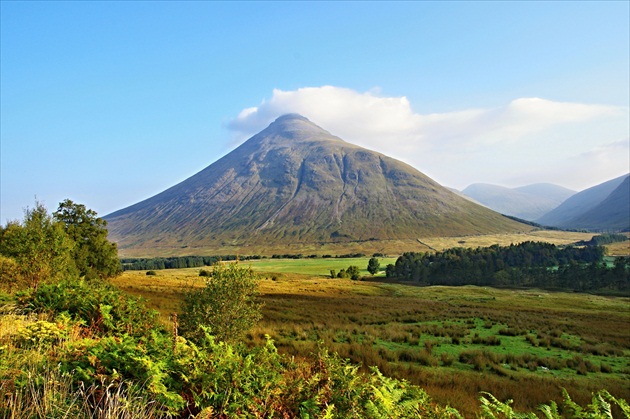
442,338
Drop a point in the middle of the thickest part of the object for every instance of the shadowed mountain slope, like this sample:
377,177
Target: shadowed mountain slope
296,183
602,207
526,202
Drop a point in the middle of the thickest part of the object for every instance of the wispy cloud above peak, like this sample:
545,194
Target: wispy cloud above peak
507,144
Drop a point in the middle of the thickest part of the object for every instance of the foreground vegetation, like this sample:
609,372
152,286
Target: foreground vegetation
83,349
76,335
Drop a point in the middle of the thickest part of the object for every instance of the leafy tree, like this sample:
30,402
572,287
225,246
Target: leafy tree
373,265
94,255
226,306
39,246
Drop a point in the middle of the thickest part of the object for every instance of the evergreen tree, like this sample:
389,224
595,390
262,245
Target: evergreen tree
373,265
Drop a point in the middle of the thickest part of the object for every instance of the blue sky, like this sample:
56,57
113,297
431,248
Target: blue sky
109,103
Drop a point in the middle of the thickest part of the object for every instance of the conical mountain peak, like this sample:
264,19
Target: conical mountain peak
294,127
296,184
291,117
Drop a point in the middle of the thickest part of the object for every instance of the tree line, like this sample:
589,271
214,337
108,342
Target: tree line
529,264
176,262
71,242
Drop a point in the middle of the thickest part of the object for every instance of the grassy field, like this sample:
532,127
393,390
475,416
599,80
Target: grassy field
454,342
315,267
549,236
618,249
387,247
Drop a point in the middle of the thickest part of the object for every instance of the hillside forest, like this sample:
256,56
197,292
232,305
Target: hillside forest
74,345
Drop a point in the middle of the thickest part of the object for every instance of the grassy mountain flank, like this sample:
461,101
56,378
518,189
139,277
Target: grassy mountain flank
592,208
613,213
296,183
527,202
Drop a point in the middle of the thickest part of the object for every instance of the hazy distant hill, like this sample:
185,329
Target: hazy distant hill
296,183
602,207
527,202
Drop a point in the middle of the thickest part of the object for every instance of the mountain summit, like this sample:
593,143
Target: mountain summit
295,183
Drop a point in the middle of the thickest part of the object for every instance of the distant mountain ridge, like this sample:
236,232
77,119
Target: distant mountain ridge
527,202
602,207
294,182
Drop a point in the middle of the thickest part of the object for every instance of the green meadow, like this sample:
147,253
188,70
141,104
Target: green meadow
315,266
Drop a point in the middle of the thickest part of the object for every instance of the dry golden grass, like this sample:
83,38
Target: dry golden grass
549,236
619,249
163,291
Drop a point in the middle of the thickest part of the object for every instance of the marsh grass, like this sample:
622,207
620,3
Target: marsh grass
453,341
51,394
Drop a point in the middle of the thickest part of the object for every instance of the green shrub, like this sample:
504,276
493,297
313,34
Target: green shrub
226,305
95,304
151,273
353,272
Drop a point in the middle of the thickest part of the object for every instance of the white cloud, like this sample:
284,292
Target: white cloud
527,140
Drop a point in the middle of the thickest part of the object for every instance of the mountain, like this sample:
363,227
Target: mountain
602,207
295,183
527,202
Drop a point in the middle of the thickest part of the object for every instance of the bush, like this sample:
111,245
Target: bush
353,272
151,273
95,304
226,306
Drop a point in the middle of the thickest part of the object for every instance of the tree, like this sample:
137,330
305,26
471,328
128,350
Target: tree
94,255
226,306
373,265
39,246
